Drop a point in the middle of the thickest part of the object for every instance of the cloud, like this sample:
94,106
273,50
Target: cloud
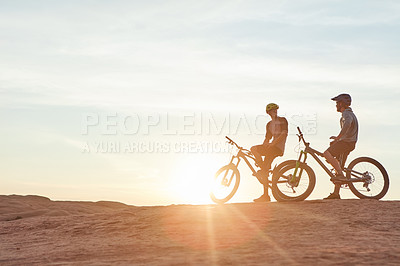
60,59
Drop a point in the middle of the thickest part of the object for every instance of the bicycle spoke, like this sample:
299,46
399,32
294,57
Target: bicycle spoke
225,184
287,186
374,179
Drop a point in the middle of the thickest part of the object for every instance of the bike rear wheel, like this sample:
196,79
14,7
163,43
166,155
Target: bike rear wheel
226,183
375,182
287,188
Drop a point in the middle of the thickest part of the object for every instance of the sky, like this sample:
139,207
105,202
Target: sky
131,100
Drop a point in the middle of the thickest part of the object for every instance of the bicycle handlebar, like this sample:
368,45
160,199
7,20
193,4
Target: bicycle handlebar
234,143
300,135
229,139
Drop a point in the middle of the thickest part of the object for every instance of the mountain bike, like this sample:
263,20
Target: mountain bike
295,180
227,178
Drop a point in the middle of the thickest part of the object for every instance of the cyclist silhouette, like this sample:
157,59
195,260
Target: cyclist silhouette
277,131
343,143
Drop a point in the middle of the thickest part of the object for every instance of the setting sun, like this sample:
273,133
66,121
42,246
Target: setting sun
193,179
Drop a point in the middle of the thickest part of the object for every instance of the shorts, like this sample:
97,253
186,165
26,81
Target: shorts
270,153
341,148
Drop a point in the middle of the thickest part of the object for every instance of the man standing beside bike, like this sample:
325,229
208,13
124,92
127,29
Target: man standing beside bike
277,131
343,143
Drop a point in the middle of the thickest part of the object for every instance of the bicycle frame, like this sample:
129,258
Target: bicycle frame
242,155
313,153
308,150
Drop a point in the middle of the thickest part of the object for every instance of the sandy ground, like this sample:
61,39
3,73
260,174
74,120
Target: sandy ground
35,230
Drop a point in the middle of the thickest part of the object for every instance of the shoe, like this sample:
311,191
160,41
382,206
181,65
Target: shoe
263,198
333,196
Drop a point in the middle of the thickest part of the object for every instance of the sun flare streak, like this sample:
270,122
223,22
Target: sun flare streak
211,237
261,233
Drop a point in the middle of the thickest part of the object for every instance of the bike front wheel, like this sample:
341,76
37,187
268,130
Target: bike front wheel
289,184
373,180
226,183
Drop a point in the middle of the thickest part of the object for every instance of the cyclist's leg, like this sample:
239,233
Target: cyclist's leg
270,157
257,151
350,146
333,152
271,153
336,155
342,159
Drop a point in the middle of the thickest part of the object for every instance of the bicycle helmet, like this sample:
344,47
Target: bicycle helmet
344,98
272,106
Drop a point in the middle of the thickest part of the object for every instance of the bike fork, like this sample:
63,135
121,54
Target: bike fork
226,173
303,154
237,162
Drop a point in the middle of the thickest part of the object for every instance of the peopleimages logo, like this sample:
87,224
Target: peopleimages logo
169,124
147,132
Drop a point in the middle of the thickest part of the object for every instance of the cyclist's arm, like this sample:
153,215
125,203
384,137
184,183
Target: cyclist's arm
266,141
346,126
268,135
284,132
283,135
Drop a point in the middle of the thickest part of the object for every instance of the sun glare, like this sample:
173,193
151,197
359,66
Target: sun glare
194,178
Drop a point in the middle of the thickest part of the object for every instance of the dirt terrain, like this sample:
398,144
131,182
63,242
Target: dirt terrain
36,230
